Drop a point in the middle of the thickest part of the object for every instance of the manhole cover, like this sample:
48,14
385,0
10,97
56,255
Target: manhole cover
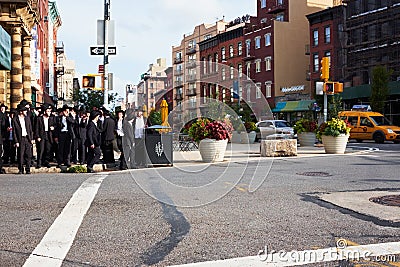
392,200
320,174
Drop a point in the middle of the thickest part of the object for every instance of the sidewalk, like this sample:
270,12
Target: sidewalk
234,153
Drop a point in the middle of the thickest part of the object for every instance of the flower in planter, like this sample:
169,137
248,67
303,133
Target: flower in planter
334,127
304,126
204,128
250,126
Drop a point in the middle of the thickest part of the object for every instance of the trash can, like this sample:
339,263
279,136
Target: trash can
159,148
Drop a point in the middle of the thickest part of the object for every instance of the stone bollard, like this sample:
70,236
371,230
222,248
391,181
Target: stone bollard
278,148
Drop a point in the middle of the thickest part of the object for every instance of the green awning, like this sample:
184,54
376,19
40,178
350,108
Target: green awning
290,106
279,106
364,91
304,105
5,50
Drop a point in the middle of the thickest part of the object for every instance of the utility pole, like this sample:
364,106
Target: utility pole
105,58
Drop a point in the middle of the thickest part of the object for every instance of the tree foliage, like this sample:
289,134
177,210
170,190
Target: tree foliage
379,88
91,98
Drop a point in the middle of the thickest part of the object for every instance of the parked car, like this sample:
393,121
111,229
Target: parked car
368,125
274,129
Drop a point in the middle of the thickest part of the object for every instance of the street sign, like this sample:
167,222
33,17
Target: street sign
99,50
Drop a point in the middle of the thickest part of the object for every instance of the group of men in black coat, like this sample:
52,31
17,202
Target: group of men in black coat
66,136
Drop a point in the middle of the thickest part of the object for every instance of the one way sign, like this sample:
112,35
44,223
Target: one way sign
99,50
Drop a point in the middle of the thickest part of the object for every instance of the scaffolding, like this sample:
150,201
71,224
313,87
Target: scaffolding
374,39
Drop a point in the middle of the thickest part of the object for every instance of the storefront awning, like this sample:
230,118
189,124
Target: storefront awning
290,106
5,50
279,107
304,105
364,91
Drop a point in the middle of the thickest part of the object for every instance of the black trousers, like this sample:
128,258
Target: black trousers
64,149
93,156
74,149
122,161
44,150
24,152
82,150
9,151
139,152
1,158
108,152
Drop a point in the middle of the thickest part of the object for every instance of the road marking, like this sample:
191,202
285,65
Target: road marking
239,187
297,258
53,248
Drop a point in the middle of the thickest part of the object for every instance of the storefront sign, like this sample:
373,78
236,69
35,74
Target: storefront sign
5,50
293,89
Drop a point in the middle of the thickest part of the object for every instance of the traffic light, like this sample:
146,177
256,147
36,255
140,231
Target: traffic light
338,87
325,68
88,82
329,88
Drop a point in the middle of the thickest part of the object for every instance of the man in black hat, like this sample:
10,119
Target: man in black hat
44,131
107,137
64,134
10,150
93,140
23,137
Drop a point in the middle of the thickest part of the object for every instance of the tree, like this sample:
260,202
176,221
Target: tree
379,88
91,98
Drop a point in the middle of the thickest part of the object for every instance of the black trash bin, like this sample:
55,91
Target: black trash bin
159,149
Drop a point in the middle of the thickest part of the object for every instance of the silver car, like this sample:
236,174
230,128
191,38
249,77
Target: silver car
274,129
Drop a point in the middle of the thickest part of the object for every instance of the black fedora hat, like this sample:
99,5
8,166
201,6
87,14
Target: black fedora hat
24,102
2,105
21,108
65,107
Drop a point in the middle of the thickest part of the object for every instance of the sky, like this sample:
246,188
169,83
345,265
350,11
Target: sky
144,31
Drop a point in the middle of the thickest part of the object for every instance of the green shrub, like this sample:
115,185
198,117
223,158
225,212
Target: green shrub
77,169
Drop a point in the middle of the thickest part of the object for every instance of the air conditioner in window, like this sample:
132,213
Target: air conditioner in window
47,85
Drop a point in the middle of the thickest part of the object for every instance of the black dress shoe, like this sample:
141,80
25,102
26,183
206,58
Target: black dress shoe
3,171
20,172
38,166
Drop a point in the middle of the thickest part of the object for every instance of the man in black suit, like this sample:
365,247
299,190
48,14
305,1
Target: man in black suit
64,134
23,137
107,137
93,140
82,150
44,130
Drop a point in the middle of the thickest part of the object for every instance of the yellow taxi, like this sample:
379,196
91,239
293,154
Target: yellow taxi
368,125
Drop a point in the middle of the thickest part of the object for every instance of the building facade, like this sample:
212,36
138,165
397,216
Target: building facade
185,58
18,19
275,59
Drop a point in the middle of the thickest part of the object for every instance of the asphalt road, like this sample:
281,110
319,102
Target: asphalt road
213,216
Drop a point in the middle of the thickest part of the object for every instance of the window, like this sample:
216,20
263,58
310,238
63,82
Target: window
257,42
208,36
203,59
223,53
263,3
280,17
258,65
231,51
223,73
240,70
268,87
248,44
232,72
268,39
268,63
258,90
240,52
327,35
316,62
248,92
279,2
216,61
315,37
248,67
210,64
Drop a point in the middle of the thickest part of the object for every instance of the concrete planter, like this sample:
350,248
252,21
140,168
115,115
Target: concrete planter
306,139
212,150
235,137
335,145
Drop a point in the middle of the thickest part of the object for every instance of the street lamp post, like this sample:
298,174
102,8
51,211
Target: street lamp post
105,58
